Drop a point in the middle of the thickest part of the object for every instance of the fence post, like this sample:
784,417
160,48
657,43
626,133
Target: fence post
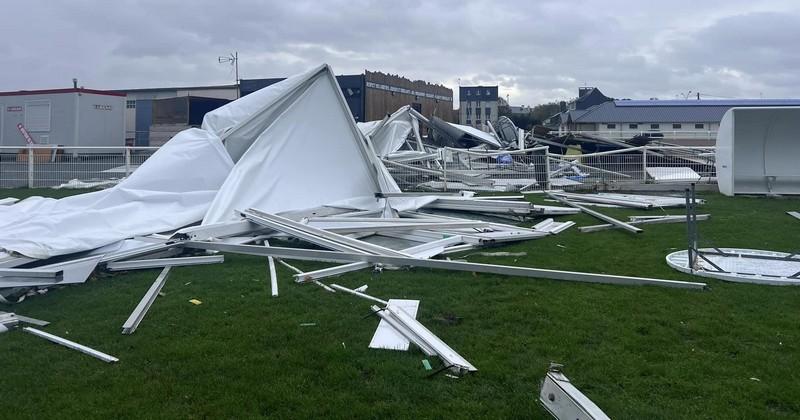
127,161
547,169
444,169
30,166
644,164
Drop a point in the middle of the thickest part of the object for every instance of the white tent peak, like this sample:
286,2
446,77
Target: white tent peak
297,147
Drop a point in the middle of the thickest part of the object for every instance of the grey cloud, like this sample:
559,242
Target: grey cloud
537,51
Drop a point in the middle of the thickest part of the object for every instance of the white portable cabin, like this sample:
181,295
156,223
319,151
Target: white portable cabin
67,117
758,151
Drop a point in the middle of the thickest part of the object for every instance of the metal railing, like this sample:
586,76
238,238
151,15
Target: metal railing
38,166
538,169
655,135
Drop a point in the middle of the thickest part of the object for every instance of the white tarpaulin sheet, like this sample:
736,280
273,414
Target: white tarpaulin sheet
173,188
478,134
389,135
305,151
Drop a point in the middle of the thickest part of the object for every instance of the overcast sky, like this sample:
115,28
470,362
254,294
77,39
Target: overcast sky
537,51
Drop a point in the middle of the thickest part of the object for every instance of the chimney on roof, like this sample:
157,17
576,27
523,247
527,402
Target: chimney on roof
74,83
584,90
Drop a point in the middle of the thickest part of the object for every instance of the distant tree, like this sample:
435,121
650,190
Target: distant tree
535,116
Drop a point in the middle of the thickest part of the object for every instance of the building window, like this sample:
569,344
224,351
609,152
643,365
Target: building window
478,111
676,126
469,122
478,122
478,92
469,111
488,113
611,126
633,126
487,92
469,93
37,115
699,126
654,126
130,104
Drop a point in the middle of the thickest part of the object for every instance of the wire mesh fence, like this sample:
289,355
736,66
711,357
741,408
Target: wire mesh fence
538,169
68,167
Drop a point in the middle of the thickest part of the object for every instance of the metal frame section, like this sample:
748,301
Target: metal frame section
138,252
524,208
430,344
594,198
795,214
273,275
601,216
564,401
10,261
679,261
650,220
426,250
32,321
317,236
405,225
216,230
165,262
141,309
71,344
8,320
359,294
343,257
33,273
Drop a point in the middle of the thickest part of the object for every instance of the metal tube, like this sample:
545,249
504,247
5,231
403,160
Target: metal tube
71,344
141,309
331,256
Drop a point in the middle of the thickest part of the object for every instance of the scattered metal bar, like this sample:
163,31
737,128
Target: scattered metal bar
141,309
36,273
564,401
601,216
165,262
71,344
795,214
32,321
138,252
359,294
417,333
343,257
273,275
667,219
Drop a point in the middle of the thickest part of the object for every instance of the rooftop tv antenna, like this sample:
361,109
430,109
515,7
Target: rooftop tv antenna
234,60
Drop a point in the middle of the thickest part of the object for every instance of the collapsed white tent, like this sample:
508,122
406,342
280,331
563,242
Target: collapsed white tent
757,151
390,134
171,189
297,147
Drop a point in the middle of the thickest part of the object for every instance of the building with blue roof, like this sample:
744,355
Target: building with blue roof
685,119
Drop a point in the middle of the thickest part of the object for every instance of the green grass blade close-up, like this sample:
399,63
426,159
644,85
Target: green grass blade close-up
638,352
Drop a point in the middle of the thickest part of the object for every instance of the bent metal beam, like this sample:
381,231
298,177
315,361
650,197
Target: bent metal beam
344,257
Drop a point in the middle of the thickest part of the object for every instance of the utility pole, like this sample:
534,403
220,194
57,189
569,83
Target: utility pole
234,60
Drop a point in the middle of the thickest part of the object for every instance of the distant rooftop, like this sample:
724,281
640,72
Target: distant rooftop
709,102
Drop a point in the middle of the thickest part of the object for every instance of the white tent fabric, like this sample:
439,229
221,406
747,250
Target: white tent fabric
303,151
389,134
483,136
171,189
757,151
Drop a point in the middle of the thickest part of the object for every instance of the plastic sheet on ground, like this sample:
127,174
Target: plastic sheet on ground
172,188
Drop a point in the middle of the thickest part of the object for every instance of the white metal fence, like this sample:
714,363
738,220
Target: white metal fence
52,166
538,169
657,135
445,169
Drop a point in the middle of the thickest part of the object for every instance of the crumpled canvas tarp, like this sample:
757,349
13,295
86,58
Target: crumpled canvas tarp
302,150
389,134
173,188
291,146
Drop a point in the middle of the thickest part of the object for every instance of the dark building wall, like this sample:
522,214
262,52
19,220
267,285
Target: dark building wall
352,88
144,118
386,93
373,95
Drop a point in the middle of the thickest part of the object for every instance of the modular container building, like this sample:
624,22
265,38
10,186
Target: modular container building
66,117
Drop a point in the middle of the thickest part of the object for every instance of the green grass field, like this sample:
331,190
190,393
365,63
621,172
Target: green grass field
638,352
